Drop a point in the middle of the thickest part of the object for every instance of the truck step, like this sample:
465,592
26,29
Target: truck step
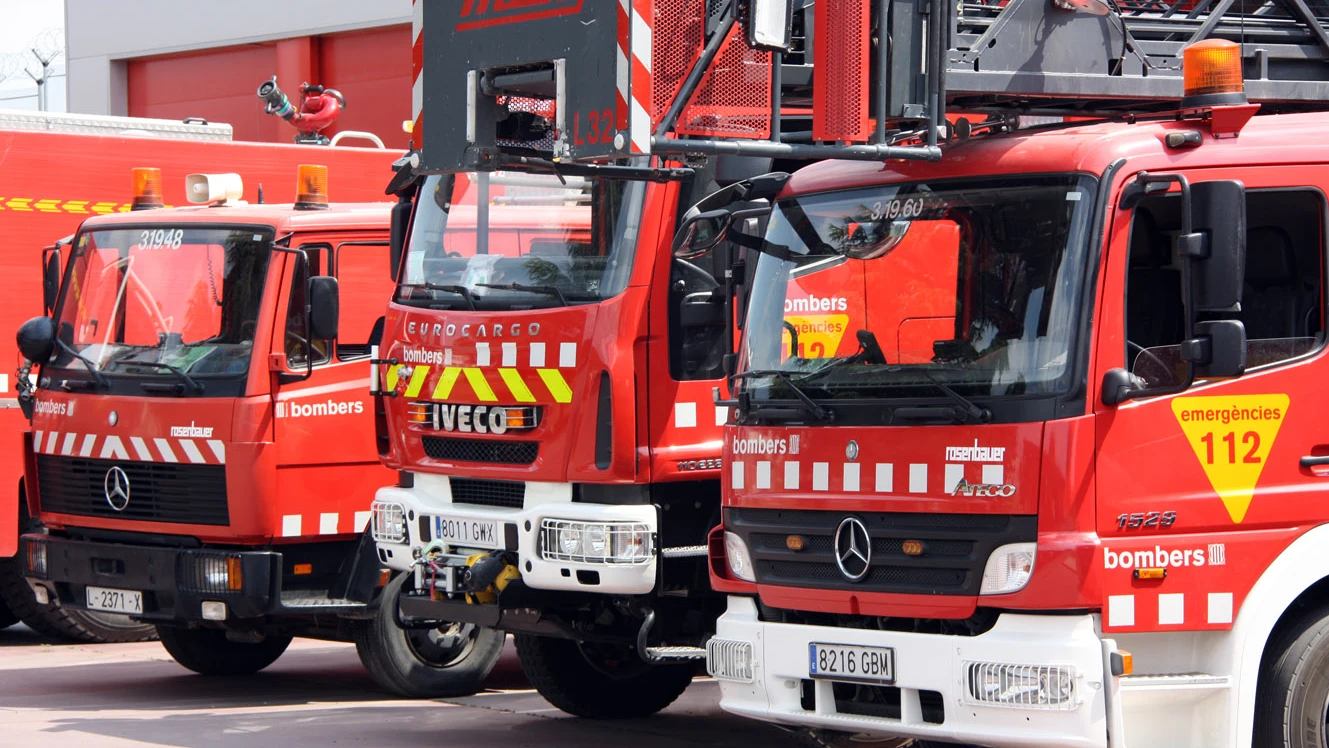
686,551
1176,681
315,600
677,653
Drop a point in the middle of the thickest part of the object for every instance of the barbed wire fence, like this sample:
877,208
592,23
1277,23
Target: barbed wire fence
37,63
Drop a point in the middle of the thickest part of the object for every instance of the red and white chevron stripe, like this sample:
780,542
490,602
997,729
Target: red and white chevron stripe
137,448
417,66
324,523
635,22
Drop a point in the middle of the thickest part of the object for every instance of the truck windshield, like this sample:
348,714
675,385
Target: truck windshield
519,241
142,301
911,290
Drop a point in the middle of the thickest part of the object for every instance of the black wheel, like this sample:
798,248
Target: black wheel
599,683
7,617
1292,700
209,652
57,622
425,663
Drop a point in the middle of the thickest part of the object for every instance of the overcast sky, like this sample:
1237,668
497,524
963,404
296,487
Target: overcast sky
26,22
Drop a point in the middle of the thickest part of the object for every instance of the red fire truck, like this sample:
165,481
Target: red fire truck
1024,441
62,168
193,365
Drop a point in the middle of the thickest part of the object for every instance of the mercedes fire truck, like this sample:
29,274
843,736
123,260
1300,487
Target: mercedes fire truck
1057,480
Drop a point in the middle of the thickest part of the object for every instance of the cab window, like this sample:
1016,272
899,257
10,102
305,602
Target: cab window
364,291
297,351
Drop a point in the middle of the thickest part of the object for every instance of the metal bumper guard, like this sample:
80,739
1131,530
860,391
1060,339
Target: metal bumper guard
173,580
431,498
774,685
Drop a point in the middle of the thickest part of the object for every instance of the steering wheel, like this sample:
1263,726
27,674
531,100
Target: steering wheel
1146,352
453,253
793,338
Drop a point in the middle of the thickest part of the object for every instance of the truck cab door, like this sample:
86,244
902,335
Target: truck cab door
328,467
1195,488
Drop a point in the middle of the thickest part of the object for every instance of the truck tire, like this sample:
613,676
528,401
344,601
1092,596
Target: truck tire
209,652
1294,688
585,684
7,617
424,663
56,622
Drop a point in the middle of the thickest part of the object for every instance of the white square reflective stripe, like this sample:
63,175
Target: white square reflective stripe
1220,607
685,415
954,474
537,355
721,415
567,355
362,520
141,447
885,477
851,476
791,476
509,355
1121,610
763,474
994,475
290,526
821,476
327,523
4,383
481,354
918,477
737,476
1171,609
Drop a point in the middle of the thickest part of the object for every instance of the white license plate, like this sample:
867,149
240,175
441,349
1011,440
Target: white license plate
849,663
115,601
469,533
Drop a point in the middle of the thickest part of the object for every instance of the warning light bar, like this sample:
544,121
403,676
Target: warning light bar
147,187
1211,74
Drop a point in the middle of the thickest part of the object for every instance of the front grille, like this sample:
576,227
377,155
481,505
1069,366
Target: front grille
956,548
456,449
158,492
504,493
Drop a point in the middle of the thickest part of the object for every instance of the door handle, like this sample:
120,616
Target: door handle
1310,461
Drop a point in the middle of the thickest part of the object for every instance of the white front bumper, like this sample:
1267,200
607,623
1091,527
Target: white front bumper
432,496
925,662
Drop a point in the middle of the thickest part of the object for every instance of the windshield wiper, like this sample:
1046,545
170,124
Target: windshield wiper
809,405
188,380
546,290
461,291
97,376
965,410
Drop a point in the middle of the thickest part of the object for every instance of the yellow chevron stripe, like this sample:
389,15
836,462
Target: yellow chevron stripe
392,378
558,386
103,208
48,206
19,203
478,383
446,382
518,388
417,382
76,206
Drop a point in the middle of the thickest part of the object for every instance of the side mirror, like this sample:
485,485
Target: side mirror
1218,350
36,339
400,221
324,307
770,24
51,280
700,233
1217,246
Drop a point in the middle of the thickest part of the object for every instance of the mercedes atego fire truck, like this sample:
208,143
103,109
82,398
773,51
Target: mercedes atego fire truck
201,452
1056,479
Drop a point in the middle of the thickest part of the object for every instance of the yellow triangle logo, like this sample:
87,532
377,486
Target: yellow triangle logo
818,335
1231,436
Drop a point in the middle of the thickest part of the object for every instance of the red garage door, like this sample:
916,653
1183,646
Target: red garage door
371,68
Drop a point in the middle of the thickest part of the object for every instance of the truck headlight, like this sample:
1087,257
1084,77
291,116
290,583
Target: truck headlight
1008,569
37,559
389,525
212,573
740,559
1015,685
595,542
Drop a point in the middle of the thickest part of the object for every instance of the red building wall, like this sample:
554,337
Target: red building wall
372,69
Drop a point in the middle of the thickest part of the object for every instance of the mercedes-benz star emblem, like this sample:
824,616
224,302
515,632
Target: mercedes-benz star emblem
853,549
116,485
851,450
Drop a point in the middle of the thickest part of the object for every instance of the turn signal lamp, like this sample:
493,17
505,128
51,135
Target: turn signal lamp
235,579
1211,74
1158,573
147,181
311,187
419,412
